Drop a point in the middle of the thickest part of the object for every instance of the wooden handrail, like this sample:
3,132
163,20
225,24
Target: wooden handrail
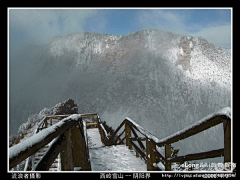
197,156
43,123
30,146
193,129
72,137
151,155
222,116
57,146
103,133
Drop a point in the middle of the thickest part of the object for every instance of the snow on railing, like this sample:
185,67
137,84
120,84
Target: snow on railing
153,150
102,131
221,116
67,129
42,125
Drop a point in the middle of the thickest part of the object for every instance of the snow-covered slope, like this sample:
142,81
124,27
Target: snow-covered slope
161,80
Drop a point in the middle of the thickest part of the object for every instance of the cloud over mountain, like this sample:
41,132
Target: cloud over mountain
161,80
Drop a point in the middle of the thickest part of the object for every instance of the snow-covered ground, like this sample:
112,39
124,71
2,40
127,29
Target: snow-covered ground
112,158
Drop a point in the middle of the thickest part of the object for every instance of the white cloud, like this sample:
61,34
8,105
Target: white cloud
40,25
182,23
217,35
162,19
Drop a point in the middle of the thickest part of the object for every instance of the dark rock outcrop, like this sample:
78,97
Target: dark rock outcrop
67,107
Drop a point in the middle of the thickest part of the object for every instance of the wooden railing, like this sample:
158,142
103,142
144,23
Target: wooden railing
48,121
223,116
90,118
152,151
93,119
103,132
70,140
43,124
138,138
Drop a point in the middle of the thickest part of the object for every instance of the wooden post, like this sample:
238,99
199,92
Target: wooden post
151,157
227,142
76,138
101,133
45,123
128,135
97,120
167,155
85,164
66,154
32,161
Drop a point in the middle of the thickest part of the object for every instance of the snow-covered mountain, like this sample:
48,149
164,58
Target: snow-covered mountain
161,80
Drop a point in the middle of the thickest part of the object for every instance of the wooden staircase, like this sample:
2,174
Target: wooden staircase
61,143
38,156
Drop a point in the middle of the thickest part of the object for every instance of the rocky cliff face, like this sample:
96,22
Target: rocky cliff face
28,128
161,80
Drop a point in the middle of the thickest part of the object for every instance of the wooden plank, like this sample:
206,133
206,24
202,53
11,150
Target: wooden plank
120,142
45,123
86,164
91,124
136,136
115,141
30,146
197,156
45,163
101,133
227,142
128,135
59,116
141,130
76,138
168,153
138,139
148,155
159,156
139,151
116,131
151,158
104,135
89,114
66,155
40,125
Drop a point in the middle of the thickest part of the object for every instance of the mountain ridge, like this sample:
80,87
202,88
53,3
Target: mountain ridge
161,80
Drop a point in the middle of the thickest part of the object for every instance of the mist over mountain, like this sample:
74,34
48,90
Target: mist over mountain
161,80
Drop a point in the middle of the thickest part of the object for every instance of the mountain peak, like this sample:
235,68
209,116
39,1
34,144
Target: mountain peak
157,78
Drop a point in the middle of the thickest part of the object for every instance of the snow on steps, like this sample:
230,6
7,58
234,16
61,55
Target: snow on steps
39,155
103,158
112,158
41,152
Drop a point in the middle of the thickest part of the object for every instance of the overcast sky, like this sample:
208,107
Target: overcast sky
38,26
